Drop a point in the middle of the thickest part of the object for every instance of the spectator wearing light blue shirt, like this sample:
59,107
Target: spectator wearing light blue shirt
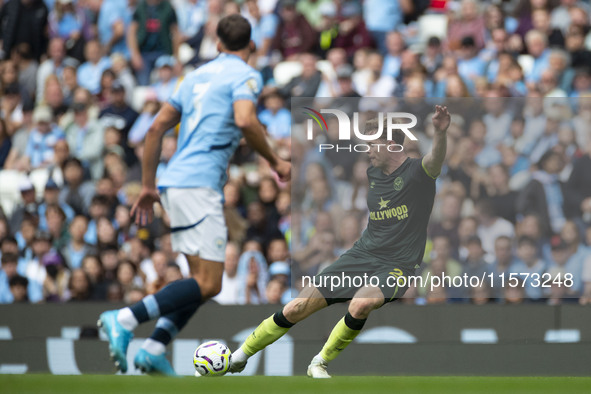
113,20
381,16
275,117
263,27
191,15
166,83
42,138
537,44
51,196
393,58
470,66
90,73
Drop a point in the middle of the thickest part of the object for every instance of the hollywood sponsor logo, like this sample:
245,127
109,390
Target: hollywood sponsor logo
393,122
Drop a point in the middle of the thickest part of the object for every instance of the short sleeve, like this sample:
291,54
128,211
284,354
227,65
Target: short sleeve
248,88
422,172
176,100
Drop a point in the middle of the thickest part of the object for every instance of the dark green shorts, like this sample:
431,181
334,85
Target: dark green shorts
353,270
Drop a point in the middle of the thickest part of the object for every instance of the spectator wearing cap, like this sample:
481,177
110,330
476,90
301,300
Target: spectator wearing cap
90,72
152,33
42,139
28,205
51,197
380,18
166,81
279,272
114,19
76,192
294,34
120,115
353,34
23,21
85,138
275,117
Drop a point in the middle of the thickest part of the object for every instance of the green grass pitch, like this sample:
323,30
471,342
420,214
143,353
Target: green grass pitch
108,384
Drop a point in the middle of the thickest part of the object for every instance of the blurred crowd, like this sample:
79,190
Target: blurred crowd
82,80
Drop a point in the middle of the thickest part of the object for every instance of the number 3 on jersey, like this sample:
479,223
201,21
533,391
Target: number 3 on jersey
199,91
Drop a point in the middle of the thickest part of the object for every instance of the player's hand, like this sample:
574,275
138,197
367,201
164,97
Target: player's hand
441,118
283,169
143,209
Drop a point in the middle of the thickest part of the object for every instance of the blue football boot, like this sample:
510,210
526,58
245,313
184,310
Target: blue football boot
118,336
153,365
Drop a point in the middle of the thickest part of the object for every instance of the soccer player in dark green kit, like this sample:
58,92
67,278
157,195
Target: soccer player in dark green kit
400,200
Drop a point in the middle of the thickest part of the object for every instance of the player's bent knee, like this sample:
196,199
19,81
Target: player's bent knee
295,310
360,308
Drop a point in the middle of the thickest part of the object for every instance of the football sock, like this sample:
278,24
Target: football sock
172,297
270,330
154,347
341,336
168,326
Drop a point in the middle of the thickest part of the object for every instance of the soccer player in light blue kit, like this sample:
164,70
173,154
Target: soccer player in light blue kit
214,104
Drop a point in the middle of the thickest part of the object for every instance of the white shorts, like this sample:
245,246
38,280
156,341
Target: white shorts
197,222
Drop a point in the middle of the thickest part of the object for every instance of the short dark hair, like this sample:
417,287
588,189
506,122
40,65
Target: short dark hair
372,126
234,31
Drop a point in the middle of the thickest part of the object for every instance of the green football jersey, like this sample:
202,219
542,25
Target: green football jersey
399,205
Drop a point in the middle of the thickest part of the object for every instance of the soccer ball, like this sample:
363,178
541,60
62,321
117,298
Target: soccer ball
212,359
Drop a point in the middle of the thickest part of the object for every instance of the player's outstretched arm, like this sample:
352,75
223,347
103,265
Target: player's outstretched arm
433,161
254,133
143,209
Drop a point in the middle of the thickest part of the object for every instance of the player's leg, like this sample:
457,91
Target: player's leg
198,229
365,300
152,358
310,300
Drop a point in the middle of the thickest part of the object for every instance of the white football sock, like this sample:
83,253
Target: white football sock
126,318
154,347
239,356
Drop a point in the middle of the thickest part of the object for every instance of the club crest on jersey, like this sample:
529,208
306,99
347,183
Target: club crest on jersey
252,85
398,183
372,184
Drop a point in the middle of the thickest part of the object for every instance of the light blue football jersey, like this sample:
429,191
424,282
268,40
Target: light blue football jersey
208,135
